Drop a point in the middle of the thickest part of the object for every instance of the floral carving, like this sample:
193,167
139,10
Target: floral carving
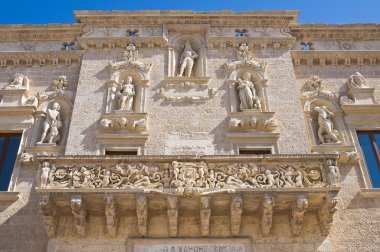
183,177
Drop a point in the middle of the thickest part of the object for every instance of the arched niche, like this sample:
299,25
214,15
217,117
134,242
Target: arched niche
65,112
259,81
311,116
198,44
114,86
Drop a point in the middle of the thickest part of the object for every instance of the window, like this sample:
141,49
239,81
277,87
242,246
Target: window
241,33
252,151
128,151
370,144
132,33
9,145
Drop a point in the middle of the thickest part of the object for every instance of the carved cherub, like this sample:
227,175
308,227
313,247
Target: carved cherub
45,169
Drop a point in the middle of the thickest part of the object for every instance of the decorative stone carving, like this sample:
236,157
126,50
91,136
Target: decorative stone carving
348,157
185,177
326,131
266,214
59,88
51,125
142,215
333,174
61,84
357,81
130,60
243,52
126,95
258,123
111,215
26,157
187,59
123,123
45,170
326,213
173,215
236,211
315,88
205,215
19,82
48,211
78,209
247,93
297,215
244,57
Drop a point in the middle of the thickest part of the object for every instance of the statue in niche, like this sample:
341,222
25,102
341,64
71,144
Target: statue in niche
357,81
19,82
247,93
127,93
326,131
51,125
187,60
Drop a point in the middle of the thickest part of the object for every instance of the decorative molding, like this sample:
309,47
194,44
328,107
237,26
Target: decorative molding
9,196
335,58
216,18
41,58
100,43
65,32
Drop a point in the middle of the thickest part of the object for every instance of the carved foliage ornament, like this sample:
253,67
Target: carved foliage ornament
183,177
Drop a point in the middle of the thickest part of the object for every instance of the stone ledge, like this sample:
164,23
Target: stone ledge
370,192
9,196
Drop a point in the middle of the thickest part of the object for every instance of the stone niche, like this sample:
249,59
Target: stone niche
324,118
250,119
124,121
186,79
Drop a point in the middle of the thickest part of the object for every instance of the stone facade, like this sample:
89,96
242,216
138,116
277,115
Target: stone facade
182,96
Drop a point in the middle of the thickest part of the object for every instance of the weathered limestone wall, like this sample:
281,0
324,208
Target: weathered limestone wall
184,127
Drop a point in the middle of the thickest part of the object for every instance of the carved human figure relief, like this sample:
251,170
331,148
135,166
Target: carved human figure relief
297,214
48,211
266,214
19,81
205,215
326,213
130,54
236,212
111,215
333,174
243,52
51,125
173,215
247,93
187,59
79,212
357,81
326,131
45,169
126,95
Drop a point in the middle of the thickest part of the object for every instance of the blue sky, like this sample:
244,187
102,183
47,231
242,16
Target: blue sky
312,11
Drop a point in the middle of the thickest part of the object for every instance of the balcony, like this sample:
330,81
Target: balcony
180,186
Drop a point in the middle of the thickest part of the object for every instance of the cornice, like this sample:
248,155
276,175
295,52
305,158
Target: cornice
144,18
345,58
64,32
253,42
121,42
40,58
334,31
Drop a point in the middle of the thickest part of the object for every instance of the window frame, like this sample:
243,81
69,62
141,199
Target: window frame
16,166
374,148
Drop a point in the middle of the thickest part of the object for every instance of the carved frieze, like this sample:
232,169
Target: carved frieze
263,121
40,58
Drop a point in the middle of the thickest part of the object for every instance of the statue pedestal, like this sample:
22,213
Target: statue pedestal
362,95
13,97
46,144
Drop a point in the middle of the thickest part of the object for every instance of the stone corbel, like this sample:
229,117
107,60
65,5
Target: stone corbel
78,209
297,214
205,211
142,215
266,214
111,215
236,211
48,211
138,124
248,120
326,213
173,215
